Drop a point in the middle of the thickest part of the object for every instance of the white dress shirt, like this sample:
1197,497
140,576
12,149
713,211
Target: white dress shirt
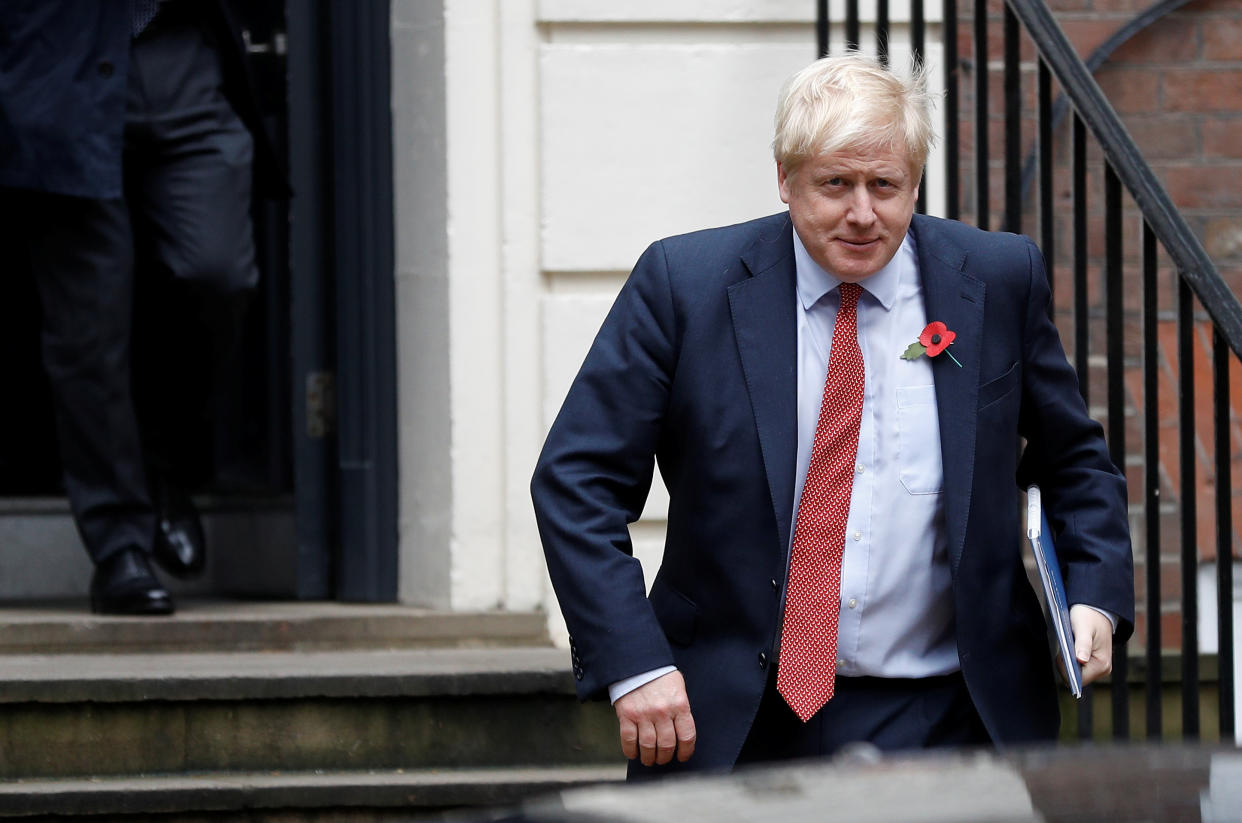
896,587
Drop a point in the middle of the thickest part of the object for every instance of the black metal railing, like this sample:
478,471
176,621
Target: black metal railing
1131,374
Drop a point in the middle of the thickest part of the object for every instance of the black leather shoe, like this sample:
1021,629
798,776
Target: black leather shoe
125,584
180,547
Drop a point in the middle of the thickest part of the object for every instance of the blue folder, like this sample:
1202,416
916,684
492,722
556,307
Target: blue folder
1039,533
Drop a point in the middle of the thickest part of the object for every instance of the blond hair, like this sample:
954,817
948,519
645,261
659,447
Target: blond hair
849,102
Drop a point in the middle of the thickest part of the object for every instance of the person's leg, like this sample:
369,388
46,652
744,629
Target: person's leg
898,714
191,194
893,715
82,261
778,733
81,258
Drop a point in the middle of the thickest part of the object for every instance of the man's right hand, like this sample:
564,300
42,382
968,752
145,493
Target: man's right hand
656,722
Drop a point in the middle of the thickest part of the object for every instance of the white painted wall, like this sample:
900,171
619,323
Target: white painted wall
575,132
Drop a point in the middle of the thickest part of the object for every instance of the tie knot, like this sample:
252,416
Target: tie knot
850,293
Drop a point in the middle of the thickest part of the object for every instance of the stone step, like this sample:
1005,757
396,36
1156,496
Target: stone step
261,796
117,715
227,626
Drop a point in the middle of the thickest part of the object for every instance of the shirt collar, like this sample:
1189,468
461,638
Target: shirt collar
814,282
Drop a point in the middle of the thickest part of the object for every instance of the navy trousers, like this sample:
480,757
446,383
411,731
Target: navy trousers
186,212
893,714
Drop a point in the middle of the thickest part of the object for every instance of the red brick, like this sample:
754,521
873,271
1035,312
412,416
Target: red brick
1170,582
1165,136
1202,90
1103,6
1222,237
1171,40
1170,628
1222,39
1222,137
996,92
1069,5
1204,7
1204,186
1131,91
1086,34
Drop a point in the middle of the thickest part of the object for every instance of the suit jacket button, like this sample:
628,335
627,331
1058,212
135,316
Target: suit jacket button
763,660
775,586
106,69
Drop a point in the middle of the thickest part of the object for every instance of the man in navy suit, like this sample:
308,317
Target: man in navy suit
713,362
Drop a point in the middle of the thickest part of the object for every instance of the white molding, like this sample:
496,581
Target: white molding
476,316
526,581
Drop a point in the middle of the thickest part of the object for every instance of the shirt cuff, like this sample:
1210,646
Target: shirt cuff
1112,618
623,687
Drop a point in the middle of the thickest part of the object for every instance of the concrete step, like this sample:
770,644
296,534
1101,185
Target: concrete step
228,626
124,715
262,796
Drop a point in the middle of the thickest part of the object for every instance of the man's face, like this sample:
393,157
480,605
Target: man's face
851,209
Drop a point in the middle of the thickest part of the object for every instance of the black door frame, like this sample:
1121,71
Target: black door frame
343,347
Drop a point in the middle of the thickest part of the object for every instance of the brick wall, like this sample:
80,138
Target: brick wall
1178,87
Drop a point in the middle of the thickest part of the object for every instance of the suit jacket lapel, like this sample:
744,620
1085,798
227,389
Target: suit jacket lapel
954,297
765,328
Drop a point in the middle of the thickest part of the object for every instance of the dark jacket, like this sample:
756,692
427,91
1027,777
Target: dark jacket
63,74
696,367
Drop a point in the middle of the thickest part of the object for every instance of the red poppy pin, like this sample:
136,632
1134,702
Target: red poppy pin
934,339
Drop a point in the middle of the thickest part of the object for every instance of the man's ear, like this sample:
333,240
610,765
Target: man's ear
782,182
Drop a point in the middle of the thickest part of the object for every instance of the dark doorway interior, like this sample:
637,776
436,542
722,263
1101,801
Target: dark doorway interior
305,421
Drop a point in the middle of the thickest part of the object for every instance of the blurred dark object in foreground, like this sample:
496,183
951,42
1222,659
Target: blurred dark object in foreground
1055,785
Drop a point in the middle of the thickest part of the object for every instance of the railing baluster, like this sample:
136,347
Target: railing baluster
881,31
918,32
1078,173
852,37
821,28
1115,332
982,173
918,52
1046,229
1082,339
1224,533
951,147
1013,125
1151,484
1190,548
1156,229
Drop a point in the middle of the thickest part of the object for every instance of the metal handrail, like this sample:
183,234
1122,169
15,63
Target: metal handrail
1172,230
1136,25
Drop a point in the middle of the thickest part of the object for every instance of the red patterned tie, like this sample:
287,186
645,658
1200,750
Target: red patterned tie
808,660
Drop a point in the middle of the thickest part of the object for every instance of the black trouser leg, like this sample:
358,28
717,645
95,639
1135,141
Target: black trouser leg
82,259
891,713
188,180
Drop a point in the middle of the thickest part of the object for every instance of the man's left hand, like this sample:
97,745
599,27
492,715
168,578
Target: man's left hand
1093,642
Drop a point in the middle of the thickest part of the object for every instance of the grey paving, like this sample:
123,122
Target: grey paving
949,789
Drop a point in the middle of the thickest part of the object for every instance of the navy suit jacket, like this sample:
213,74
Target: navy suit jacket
695,367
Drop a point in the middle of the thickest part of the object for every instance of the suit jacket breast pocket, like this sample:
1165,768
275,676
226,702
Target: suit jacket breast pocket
999,388
677,613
